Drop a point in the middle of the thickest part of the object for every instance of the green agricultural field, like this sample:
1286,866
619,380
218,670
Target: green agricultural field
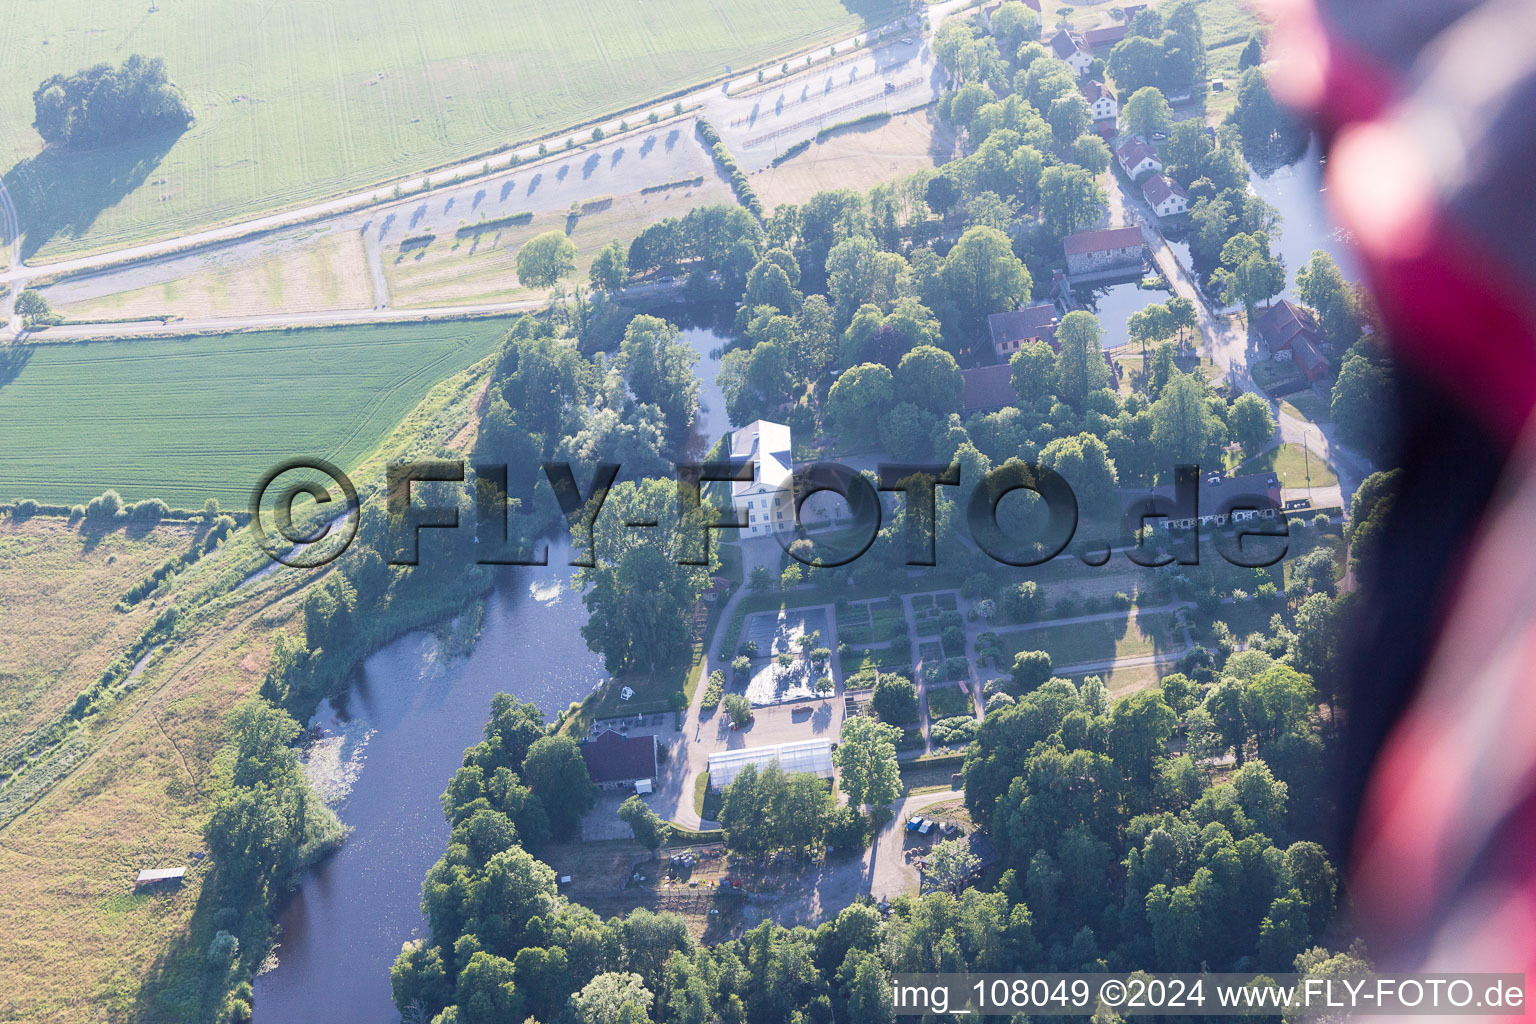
185,420
301,99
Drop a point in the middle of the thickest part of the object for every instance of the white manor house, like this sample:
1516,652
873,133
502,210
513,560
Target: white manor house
766,504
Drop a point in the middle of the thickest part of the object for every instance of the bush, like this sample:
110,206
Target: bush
105,507
978,584
24,509
715,690
223,950
1030,669
847,829
151,510
953,732
1024,602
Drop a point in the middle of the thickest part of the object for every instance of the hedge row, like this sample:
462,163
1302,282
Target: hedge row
792,151
416,241
148,585
727,163
693,182
521,217
870,118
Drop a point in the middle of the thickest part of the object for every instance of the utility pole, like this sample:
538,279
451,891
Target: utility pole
1306,461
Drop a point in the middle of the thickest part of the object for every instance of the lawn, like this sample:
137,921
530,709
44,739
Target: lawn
299,101
948,701
186,420
859,158
1085,642
1292,463
457,269
1308,406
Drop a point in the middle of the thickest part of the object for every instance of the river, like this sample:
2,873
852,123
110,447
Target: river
390,756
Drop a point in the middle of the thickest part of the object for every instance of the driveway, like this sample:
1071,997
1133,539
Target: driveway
890,874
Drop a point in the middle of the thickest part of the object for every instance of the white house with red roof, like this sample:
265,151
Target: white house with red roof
1101,101
1166,196
1136,157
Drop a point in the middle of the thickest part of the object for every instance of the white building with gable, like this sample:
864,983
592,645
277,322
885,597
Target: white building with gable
766,503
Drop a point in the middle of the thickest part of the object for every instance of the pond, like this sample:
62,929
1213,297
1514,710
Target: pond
1113,304
1296,190
390,755
711,421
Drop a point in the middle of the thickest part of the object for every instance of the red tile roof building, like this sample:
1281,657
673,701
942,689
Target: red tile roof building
1101,40
1137,157
1166,196
1290,331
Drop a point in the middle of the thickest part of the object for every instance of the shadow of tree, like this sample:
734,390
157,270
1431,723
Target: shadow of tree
13,360
181,984
60,193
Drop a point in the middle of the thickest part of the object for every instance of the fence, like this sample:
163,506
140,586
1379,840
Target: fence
911,83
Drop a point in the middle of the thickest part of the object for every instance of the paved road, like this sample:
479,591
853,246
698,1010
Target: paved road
10,223
274,321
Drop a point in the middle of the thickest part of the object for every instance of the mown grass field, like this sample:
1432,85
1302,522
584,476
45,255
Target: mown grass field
184,420
1295,466
305,98
1133,636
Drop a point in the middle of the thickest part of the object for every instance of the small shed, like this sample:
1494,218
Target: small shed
159,876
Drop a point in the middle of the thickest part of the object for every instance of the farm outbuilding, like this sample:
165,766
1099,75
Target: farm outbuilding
812,756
